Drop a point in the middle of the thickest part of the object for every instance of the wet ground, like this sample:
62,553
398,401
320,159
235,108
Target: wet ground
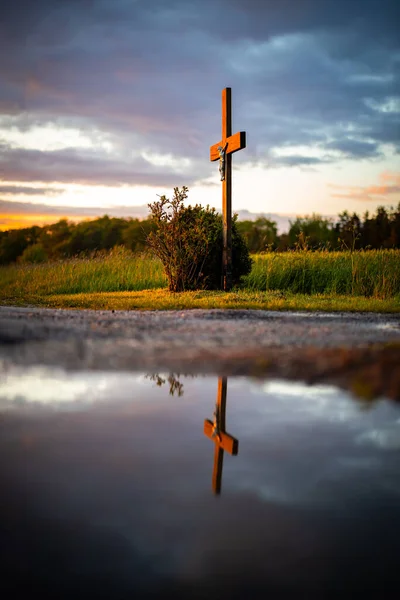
271,469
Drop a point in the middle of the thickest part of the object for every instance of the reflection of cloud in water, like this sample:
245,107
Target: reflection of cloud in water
39,386
387,438
306,439
59,389
359,463
325,402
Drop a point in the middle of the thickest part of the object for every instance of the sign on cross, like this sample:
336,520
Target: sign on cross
215,430
223,151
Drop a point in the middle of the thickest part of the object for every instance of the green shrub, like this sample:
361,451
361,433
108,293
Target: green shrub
35,253
188,241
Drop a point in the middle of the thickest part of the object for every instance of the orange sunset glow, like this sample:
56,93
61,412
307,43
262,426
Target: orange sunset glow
21,221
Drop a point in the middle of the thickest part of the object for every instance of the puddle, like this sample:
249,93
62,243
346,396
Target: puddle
122,485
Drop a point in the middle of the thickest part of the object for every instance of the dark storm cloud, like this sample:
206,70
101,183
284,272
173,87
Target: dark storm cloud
149,74
276,17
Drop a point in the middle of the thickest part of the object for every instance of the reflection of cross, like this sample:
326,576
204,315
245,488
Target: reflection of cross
216,431
231,143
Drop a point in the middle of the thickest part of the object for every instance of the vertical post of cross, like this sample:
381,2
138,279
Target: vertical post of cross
223,151
227,193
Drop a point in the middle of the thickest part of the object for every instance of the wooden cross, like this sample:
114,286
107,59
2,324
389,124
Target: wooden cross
215,430
223,151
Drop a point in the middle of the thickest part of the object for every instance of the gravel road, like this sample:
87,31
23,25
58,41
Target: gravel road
350,349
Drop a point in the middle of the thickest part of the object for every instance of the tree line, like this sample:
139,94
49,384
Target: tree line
347,232
66,239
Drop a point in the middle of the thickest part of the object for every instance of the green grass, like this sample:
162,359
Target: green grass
374,273
119,270
337,281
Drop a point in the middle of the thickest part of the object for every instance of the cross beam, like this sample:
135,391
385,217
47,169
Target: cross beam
223,151
216,432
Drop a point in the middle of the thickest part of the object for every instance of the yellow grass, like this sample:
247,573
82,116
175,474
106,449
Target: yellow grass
161,299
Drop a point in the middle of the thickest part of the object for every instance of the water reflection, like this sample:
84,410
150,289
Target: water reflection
175,385
216,431
105,488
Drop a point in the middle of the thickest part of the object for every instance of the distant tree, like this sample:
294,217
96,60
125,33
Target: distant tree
55,238
315,229
135,233
395,228
103,233
64,238
35,253
86,237
112,231
367,239
348,231
32,234
283,242
12,245
259,234
382,228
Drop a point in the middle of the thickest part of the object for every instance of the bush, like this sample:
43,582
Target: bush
188,241
35,253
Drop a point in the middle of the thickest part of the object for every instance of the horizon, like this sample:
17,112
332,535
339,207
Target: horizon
105,105
140,212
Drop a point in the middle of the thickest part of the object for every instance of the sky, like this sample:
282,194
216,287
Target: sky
105,104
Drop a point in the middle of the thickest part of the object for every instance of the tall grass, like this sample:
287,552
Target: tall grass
117,270
374,273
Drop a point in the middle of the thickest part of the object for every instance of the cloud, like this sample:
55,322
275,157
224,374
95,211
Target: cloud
29,191
388,186
273,17
296,160
149,76
8,207
391,177
352,148
86,168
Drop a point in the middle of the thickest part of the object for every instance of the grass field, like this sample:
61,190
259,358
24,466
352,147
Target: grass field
374,273
365,281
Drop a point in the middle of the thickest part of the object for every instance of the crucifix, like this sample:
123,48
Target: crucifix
223,151
215,430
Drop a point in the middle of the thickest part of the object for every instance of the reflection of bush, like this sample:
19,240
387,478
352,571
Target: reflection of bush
175,385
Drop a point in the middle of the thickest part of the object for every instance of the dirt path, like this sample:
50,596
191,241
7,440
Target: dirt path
357,351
